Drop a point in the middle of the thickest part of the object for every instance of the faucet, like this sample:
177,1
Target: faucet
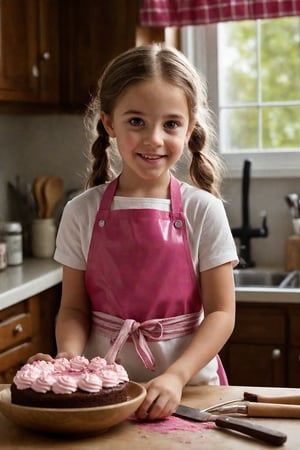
245,233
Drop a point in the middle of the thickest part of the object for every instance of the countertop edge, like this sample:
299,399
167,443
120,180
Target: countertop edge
32,277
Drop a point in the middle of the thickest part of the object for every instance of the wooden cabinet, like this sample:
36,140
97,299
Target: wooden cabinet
27,328
29,51
53,52
92,33
264,349
294,346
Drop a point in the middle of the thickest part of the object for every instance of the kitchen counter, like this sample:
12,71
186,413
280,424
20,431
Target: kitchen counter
30,278
36,275
148,437
267,295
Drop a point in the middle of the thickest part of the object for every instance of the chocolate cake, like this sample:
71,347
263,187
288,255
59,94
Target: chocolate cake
74,383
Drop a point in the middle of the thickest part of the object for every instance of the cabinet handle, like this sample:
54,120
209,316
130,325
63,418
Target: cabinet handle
46,56
35,71
18,329
276,353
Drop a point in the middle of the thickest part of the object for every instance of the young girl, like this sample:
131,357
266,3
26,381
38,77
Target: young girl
148,279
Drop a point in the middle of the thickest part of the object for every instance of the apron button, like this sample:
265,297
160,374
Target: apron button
178,224
101,223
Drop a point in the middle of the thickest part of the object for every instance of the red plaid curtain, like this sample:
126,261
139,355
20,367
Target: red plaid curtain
179,13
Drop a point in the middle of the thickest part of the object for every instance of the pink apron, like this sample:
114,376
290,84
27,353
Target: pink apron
144,293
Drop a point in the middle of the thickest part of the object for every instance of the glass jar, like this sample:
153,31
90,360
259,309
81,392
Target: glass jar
3,255
11,234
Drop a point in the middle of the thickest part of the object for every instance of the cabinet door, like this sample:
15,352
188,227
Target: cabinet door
48,51
93,32
255,365
18,50
294,347
29,57
256,351
294,368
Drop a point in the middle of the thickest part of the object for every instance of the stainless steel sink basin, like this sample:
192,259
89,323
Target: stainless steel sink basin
256,278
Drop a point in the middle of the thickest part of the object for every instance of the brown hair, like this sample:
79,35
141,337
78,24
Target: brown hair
145,63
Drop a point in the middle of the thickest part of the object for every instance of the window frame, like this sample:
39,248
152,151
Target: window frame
199,44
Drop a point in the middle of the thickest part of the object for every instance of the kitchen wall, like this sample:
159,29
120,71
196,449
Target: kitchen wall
57,144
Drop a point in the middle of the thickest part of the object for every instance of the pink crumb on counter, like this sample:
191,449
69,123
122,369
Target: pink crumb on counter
171,424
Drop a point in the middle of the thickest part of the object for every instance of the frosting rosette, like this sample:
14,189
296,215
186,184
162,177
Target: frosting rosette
24,378
90,382
61,365
43,383
109,378
120,371
79,363
97,364
65,384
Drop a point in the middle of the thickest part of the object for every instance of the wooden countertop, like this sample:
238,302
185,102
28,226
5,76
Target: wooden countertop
135,436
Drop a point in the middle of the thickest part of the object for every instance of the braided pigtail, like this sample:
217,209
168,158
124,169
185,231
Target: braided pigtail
204,168
100,165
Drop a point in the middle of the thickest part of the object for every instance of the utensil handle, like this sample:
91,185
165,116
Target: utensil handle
273,410
286,399
254,430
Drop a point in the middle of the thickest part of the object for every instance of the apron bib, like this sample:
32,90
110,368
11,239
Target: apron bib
144,293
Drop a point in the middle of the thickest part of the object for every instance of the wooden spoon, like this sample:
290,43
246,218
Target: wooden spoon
38,192
53,191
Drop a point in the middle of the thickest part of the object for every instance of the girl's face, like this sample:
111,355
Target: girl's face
151,125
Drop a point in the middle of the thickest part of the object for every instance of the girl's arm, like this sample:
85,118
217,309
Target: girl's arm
73,321
218,299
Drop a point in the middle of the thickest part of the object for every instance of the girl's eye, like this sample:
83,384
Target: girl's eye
136,122
171,124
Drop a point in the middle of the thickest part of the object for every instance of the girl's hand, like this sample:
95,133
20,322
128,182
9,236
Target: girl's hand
46,357
39,357
162,399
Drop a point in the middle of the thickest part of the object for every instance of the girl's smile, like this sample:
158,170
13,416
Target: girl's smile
151,158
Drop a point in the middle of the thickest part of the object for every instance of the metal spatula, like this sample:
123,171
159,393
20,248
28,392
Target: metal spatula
254,430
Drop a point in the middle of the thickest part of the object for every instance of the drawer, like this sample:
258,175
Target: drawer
19,322
259,325
15,330
17,356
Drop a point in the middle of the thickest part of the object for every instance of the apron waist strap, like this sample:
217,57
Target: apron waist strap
121,330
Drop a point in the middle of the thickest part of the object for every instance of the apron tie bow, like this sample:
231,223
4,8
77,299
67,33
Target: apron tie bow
153,330
137,332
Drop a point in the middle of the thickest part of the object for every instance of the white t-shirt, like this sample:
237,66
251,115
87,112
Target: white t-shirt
209,234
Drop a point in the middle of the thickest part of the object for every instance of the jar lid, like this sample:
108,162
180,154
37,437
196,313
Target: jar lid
11,227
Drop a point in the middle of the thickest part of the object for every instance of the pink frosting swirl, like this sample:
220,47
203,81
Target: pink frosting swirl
90,382
65,384
43,383
24,378
79,363
97,364
109,378
121,372
61,365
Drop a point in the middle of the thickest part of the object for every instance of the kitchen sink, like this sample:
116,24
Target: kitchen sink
292,280
264,278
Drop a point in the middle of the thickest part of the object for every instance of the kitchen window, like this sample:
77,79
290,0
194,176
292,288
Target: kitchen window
253,73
